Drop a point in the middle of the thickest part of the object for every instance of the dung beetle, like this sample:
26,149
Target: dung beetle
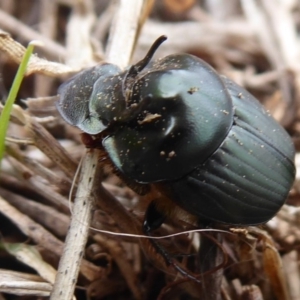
200,140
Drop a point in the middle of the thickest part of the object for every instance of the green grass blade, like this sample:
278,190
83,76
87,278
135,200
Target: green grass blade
5,114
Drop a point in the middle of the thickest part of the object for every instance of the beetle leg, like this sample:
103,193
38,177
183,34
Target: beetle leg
153,220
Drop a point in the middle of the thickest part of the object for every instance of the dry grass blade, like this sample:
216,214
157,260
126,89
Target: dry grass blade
36,65
31,257
79,46
43,139
56,221
23,284
42,236
272,265
254,42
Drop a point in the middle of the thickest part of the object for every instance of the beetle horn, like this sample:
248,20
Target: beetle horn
138,67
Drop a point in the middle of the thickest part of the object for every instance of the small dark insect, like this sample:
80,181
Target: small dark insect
197,138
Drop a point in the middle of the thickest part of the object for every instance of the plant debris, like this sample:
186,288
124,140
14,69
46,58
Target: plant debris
254,42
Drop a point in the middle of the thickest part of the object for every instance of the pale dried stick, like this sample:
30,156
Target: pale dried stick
79,28
285,31
259,19
124,35
15,52
291,272
48,20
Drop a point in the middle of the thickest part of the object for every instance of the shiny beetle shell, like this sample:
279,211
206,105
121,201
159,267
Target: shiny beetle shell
210,145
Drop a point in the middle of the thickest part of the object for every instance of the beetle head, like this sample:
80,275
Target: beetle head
102,95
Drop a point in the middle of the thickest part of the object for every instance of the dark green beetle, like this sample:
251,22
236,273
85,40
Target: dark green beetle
199,138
